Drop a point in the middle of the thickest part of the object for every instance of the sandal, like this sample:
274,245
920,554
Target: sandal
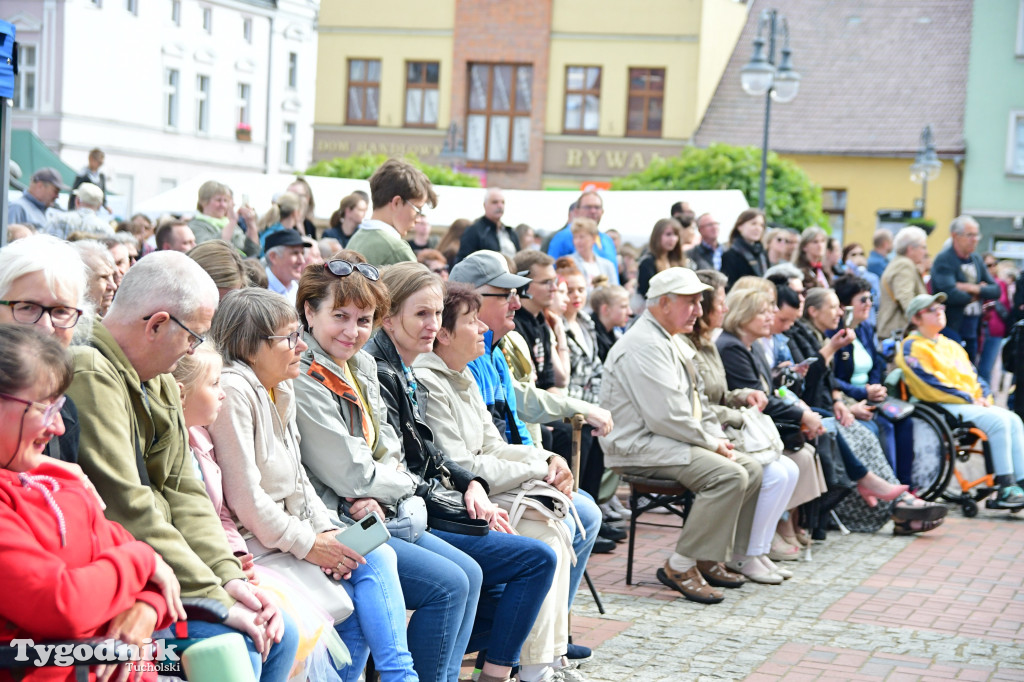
904,509
905,527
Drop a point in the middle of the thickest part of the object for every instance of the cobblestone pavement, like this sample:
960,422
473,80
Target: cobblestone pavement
946,605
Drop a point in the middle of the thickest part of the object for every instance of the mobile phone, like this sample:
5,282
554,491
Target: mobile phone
848,316
807,363
365,535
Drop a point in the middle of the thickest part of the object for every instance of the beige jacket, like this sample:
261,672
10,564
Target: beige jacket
900,283
650,385
463,428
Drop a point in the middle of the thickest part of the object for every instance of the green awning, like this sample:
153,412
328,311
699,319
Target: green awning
31,154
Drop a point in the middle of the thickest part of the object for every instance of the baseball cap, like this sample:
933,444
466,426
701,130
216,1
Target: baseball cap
50,176
682,281
286,237
89,193
922,301
486,267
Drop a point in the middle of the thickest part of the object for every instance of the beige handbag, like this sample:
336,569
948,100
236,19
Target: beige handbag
758,437
540,501
329,593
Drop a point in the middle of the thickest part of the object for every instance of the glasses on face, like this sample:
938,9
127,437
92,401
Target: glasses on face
418,209
507,296
937,308
972,235
196,341
866,298
342,268
49,411
547,283
27,312
293,338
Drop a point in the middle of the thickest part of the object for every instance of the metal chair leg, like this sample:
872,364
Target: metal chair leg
593,592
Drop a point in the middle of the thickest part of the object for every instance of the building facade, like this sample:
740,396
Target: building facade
532,94
994,127
168,89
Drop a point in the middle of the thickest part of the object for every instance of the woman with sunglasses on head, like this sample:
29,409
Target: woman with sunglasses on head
71,573
43,284
257,444
355,456
407,331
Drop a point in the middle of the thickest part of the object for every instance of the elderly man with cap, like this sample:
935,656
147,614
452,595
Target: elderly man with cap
30,207
936,369
510,402
88,198
666,430
285,259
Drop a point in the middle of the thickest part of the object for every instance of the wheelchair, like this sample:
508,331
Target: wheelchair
941,442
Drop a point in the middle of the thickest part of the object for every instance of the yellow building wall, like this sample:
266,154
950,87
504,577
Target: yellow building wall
882,184
649,17
615,57
388,15
335,49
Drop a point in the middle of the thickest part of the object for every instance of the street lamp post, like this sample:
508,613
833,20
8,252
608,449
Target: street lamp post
761,77
926,166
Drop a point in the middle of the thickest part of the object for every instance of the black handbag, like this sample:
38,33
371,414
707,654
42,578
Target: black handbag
792,436
446,511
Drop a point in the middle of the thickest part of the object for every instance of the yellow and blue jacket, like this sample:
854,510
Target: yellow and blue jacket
938,371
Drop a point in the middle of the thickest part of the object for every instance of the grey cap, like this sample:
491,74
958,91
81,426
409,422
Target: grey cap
683,281
486,267
50,176
922,301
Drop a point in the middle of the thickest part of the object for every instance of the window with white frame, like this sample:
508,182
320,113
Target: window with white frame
171,98
132,6
176,12
293,70
498,120
25,81
288,153
97,3
1015,151
202,104
244,103
208,19
247,29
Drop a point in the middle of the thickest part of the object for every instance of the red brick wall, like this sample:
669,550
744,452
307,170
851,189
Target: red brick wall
502,31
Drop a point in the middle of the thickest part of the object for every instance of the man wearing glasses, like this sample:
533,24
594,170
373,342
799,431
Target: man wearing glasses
399,192
958,272
134,446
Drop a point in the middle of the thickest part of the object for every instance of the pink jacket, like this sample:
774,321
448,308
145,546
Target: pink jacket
202,449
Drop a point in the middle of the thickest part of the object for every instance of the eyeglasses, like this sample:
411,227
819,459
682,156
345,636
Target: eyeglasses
197,340
547,283
418,209
49,411
866,298
507,296
342,268
937,308
293,338
972,235
27,312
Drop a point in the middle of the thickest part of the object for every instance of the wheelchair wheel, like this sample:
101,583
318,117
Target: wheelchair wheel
969,508
934,452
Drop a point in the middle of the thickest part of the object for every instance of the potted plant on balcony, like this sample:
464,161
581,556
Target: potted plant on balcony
243,132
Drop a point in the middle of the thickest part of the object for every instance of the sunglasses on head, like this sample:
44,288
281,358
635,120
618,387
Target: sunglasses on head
342,268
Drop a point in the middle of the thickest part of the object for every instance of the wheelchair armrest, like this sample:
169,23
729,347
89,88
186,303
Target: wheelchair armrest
205,610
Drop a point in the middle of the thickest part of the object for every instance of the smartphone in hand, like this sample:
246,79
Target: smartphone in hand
365,535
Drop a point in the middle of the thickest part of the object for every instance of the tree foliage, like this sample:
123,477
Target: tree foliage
791,198
362,166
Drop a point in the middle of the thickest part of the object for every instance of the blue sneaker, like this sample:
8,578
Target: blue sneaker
1009,497
577,653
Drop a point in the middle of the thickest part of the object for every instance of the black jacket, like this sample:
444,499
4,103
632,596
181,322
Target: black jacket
743,258
746,369
703,257
605,339
820,382
421,455
483,236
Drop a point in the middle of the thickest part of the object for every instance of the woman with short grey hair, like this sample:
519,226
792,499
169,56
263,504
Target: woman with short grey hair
901,281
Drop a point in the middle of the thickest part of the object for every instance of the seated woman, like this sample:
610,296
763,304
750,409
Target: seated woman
71,573
810,258
464,430
745,255
266,487
863,458
408,330
937,369
664,250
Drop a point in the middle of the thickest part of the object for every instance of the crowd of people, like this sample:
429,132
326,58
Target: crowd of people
227,400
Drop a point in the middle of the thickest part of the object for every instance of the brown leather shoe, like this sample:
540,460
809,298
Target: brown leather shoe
690,584
718,575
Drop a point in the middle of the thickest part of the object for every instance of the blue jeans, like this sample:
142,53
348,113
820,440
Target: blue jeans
378,624
987,360
442,585
280,659
517,573
590,517
1004,430
855,469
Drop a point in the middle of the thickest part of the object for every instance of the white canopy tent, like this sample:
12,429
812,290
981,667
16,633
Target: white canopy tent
633,214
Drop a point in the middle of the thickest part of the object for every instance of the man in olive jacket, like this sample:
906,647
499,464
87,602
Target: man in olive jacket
134,444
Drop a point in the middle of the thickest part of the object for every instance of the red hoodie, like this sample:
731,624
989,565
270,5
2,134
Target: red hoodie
65,592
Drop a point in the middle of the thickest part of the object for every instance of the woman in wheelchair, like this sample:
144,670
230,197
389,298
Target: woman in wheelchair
937,370
70,572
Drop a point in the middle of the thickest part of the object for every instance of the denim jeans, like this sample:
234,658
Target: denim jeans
989,352
1004,430
280,659
855,469
441,585
517,573
378,624
590,517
